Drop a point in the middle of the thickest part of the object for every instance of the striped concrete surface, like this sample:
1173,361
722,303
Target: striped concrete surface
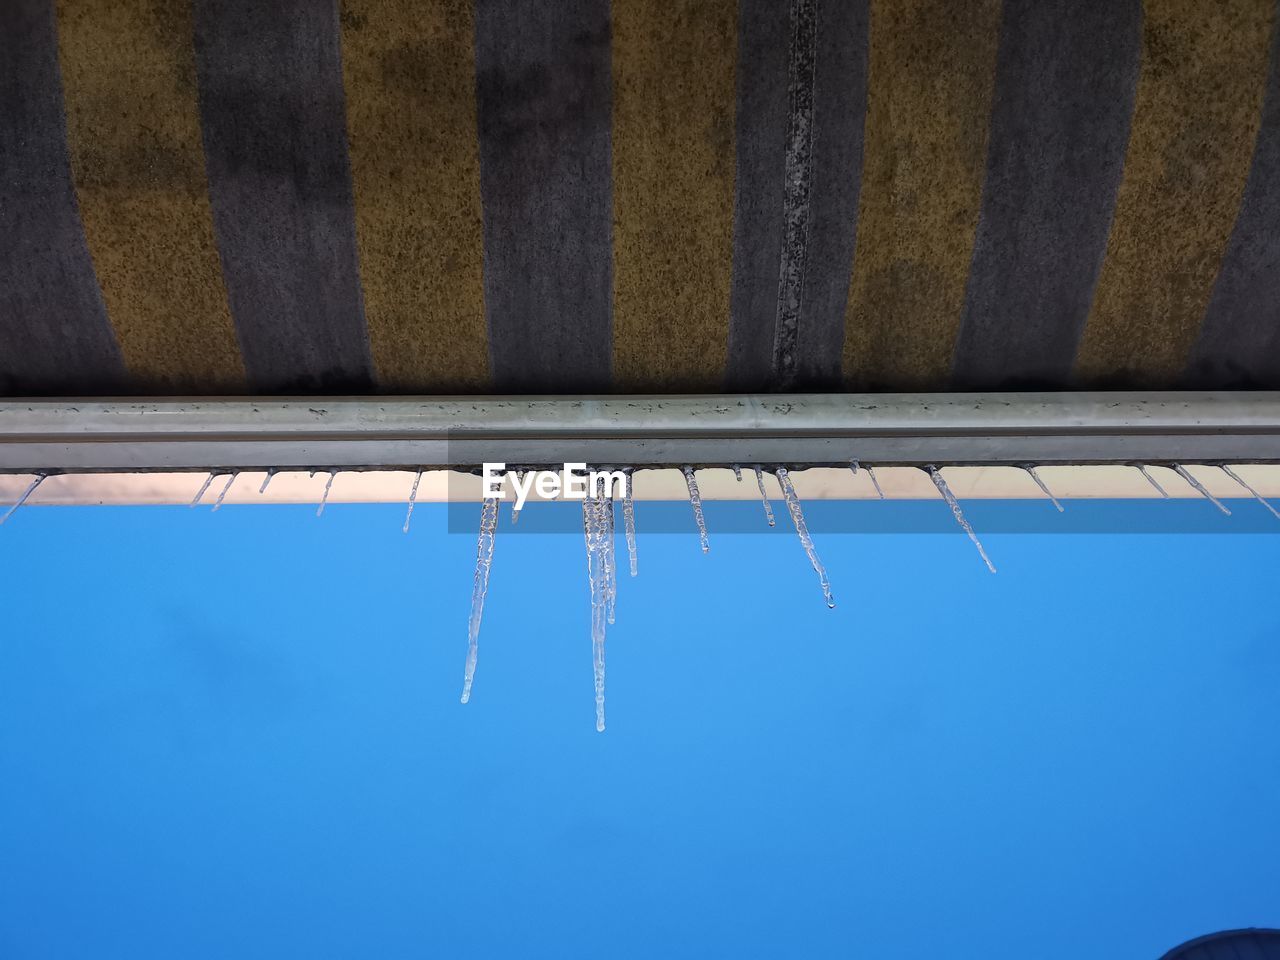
485,196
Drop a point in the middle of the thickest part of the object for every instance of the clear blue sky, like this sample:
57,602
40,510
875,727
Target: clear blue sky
238,735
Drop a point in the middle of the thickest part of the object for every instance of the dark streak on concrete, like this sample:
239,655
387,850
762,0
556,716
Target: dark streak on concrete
758,192
840,102
543,104
1066,74
274,123
55,337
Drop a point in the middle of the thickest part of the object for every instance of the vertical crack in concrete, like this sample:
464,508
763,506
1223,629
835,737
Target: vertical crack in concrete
801,59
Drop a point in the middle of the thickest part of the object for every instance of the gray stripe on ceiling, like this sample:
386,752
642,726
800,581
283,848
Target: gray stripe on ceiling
763,310
763,29
840,103
55,337
274,125
1239,342
798,178
543,90
1066,74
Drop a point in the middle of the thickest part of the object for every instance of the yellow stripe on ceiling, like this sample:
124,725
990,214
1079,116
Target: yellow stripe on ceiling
931,65
409,72
133,132
673,170
1196,117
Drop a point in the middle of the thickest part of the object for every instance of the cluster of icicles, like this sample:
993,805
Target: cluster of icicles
602,568
598,530
602,571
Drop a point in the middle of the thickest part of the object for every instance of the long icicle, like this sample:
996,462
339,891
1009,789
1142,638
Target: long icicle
1152,480
217,504
1041,484
695,498
764,496
270,473
610,557
413,499
325,499
954,504
797,517
203,487
629,522
31,488
1200,488
593,530
484,561
1256,495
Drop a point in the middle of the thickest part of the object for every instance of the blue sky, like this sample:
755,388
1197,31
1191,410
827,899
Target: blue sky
238,734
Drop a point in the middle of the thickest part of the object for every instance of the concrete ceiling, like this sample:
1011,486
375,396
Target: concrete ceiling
310,196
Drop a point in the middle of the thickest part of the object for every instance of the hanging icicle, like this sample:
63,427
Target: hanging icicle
629,521
797,517
737,473
217,504
266,480
594,528
1200,488
695,498
954,504
610,554
1041,484
413,499
1240,480
871,472
328,485
203,487
764,496
1152,480
484,561
31,488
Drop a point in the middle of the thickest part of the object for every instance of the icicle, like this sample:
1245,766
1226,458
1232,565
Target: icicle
871,472
484,560
593,526
515,510
1152,480
853,465
222,496
797,517
1041,484
959,515
1238,479
764,496
1182,472
31,488
695,498
325,499
610,555
205,486
413,499
629,522
270,473
737,473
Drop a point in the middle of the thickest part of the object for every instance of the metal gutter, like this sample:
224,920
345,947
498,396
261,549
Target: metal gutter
57,435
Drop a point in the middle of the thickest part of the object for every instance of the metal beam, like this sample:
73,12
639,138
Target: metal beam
820,429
